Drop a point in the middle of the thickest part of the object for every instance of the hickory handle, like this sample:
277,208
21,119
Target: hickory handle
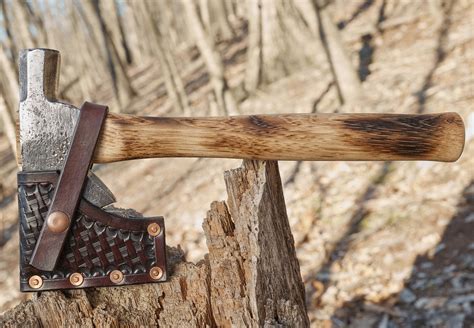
312,137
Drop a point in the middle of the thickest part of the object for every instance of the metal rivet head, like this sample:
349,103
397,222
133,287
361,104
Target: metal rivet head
76,279
116,276
153,229
156,273
35,282
58,222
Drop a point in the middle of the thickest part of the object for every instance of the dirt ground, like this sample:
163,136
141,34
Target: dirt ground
379,244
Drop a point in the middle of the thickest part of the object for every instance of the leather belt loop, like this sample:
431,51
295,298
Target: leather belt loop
68,191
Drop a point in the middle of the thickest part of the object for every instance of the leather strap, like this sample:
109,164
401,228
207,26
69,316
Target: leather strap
68,191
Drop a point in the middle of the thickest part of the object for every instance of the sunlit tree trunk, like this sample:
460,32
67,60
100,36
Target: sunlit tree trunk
212,58
7,27
254,51
9,98
37,19
280,41
122,86
347,82
8,124
9,80
22,24
162,52
223,26
123,36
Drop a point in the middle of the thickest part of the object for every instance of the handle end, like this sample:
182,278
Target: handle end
451,137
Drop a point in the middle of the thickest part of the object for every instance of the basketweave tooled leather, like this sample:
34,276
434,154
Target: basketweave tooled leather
100,248
98,242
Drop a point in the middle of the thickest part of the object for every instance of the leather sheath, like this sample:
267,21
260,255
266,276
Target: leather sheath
97,247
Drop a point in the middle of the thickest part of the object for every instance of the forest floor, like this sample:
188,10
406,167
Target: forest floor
379,244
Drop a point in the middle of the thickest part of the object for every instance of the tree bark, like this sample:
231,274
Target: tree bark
276,29
347,82
7,27
84,61
162,51
8,124
123,36
87,31
253,71
22,24
205,13
250,278
212,58
122,86
41,35
111,18
223,26
9,81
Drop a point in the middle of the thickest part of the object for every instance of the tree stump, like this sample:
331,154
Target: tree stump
250,277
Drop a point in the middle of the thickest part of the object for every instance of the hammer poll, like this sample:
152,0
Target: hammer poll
71,236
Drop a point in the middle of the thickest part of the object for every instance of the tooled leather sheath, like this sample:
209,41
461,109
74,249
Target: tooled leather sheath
97,249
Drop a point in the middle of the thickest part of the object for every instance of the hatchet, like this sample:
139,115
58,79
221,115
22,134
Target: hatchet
65,240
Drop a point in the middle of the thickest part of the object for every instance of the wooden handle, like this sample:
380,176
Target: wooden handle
314,137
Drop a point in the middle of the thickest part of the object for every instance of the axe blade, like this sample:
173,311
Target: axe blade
46,124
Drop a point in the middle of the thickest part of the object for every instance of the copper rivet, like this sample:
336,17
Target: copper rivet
76,279
154,229
116,276
156,273
58,222
35,282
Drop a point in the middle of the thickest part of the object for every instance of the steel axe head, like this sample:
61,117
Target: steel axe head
46,124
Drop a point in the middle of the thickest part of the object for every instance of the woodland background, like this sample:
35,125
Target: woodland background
379,244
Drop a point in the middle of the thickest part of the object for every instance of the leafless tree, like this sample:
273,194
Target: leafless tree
347,82
205,43
279,41
122,85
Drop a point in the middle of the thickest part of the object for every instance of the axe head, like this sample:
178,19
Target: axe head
46,124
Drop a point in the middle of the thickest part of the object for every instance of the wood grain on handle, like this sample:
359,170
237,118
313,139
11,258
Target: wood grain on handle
315,137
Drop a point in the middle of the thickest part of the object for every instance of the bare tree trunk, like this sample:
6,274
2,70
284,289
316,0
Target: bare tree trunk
89,32
92,26
9,80
276,29
250,278
42,36
83,60
219,11
215,67
132,35
9,96
181,24
145,40
22,25
347,82
253,71
111,18
121,83
167,19
274,57
178,84
8,124
230,9
123,35
51,24
205,13
9,40
173,82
